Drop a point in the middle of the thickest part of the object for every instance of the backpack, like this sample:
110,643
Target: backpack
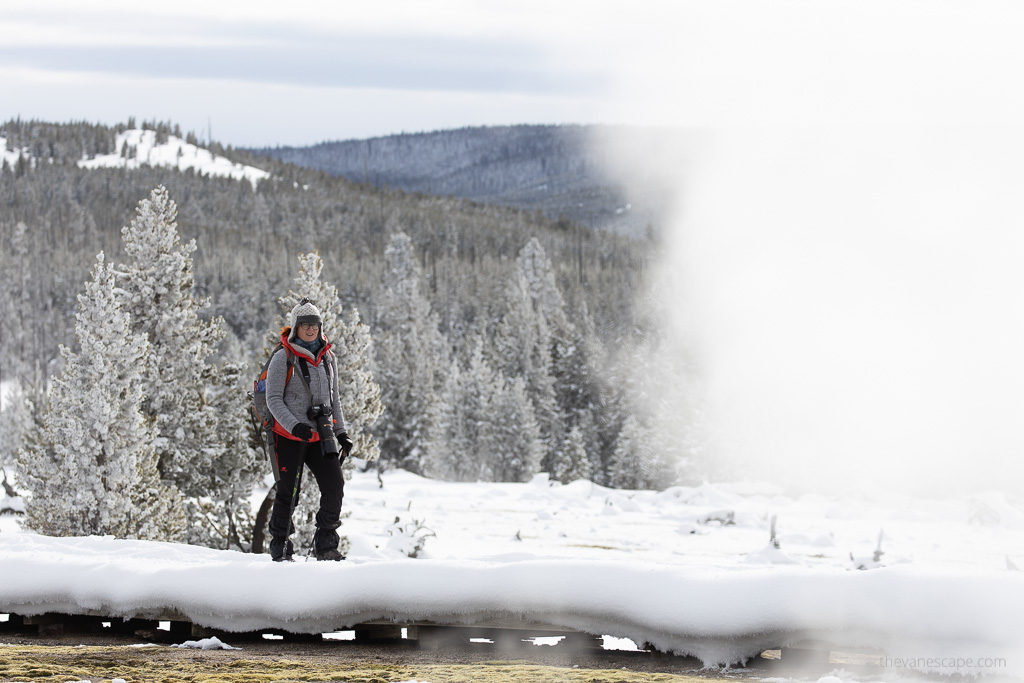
259,412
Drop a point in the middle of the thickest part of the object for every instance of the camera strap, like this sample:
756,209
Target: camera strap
304,373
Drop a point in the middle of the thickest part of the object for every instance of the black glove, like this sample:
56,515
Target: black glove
345,443
302,431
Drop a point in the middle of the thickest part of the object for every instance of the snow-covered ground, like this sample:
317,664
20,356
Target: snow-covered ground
689,569
175,153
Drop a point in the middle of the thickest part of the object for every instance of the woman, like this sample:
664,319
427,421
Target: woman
302,389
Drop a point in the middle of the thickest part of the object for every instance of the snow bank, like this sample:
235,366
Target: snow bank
206,644
720,616
175,153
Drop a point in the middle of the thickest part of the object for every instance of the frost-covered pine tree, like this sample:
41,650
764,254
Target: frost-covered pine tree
635,463
197,407
572,462
515,446
20,418
352,346
224,518
534,310
483,429
452,435
12,426
460,442
577,356
15,281
410,356
93,469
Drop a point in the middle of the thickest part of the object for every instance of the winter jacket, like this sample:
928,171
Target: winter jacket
289,400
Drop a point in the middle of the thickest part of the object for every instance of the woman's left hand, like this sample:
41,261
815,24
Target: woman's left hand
345,443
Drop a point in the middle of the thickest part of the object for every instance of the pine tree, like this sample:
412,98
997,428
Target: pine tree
577,357
410,353
226,511
197,408
21,416
452,433
15,280
637,461
515,447
93,469
572,461
534,311
461,441
483,429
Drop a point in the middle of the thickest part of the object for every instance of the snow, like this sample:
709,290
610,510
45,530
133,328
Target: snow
213,643
175,153
10,156
657,567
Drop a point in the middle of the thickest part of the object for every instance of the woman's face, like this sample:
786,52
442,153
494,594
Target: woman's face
308,331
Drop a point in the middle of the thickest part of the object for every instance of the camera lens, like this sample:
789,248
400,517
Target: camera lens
327,440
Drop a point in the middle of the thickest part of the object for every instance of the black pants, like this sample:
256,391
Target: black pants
327,472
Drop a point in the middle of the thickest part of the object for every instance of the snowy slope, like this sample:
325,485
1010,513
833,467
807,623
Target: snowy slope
175,153
10,156
657,567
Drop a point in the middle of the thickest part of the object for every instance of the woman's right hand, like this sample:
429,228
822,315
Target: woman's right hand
302,431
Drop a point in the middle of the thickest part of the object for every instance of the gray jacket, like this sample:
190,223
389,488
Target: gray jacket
289,400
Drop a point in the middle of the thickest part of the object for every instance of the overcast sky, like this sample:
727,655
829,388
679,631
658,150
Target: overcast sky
301,72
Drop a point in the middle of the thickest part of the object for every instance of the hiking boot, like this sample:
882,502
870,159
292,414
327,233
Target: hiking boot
331,555
281,550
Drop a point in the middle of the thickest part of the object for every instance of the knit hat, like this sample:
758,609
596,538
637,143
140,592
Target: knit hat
305,312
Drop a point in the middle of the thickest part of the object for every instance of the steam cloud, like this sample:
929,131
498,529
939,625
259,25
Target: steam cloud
847,261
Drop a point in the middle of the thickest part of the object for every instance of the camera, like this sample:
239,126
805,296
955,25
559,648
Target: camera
323,416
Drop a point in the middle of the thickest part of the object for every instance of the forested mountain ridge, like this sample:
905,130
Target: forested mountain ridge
528,323
564,171
71,212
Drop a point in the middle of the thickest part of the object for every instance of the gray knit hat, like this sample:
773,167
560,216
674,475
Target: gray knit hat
305,312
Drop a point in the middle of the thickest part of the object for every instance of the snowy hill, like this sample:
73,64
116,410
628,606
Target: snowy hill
140,147
689,569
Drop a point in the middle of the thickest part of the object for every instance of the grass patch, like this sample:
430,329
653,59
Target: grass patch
36,663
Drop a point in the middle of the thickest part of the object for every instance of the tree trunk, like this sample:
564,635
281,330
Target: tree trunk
259,527
8,489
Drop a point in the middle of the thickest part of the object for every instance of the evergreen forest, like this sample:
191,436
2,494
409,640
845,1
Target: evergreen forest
484,342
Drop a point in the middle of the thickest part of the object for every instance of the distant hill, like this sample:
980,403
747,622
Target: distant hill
564,171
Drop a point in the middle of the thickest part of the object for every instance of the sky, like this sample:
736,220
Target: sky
843,264
261,73
267,73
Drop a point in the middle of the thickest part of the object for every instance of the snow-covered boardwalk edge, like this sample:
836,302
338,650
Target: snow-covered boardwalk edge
929,619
